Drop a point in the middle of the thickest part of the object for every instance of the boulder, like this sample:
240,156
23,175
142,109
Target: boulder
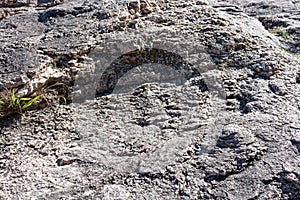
168,99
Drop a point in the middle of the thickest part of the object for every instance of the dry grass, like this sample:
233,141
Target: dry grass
11,103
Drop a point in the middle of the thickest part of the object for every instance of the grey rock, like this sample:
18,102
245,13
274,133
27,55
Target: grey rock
167,100
279,17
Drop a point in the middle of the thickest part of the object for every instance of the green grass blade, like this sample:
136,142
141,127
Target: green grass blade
29,103
18,100
25,99
13,97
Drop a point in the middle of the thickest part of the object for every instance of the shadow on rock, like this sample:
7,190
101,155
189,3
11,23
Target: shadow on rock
290,185
7,121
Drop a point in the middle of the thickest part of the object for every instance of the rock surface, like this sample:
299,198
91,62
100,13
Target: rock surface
281,17
170,100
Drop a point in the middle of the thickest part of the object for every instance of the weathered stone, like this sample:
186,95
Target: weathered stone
178,99
279,17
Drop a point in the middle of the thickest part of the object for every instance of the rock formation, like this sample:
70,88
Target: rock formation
159,100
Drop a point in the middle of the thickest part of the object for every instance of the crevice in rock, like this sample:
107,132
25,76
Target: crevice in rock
298,78
130,60
219,177
290,184
296,144
47,15
13,4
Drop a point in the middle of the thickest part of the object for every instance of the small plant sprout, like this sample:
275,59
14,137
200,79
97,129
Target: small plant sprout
10,103
282,33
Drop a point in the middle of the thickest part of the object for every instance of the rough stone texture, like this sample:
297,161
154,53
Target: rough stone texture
213,115
281,17
13,7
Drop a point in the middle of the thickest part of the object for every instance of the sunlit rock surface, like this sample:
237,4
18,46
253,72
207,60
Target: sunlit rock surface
166,100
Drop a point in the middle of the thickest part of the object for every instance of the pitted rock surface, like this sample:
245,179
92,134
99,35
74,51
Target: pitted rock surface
280,17
202,104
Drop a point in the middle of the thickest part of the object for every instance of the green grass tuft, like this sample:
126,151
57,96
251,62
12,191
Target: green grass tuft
282,33
10,103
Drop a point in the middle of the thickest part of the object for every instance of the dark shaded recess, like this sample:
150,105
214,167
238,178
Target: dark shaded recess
142,122
270,23
267,181
40,2
49,3
55,13
133,6
81,9
243,99
241,165
13,4
221,177
46,16
296,144
135,58
243,108
101,15
8,121
61,162
173,113
228,140
164,98
298,77
276,90
290,185
200,84
149,175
